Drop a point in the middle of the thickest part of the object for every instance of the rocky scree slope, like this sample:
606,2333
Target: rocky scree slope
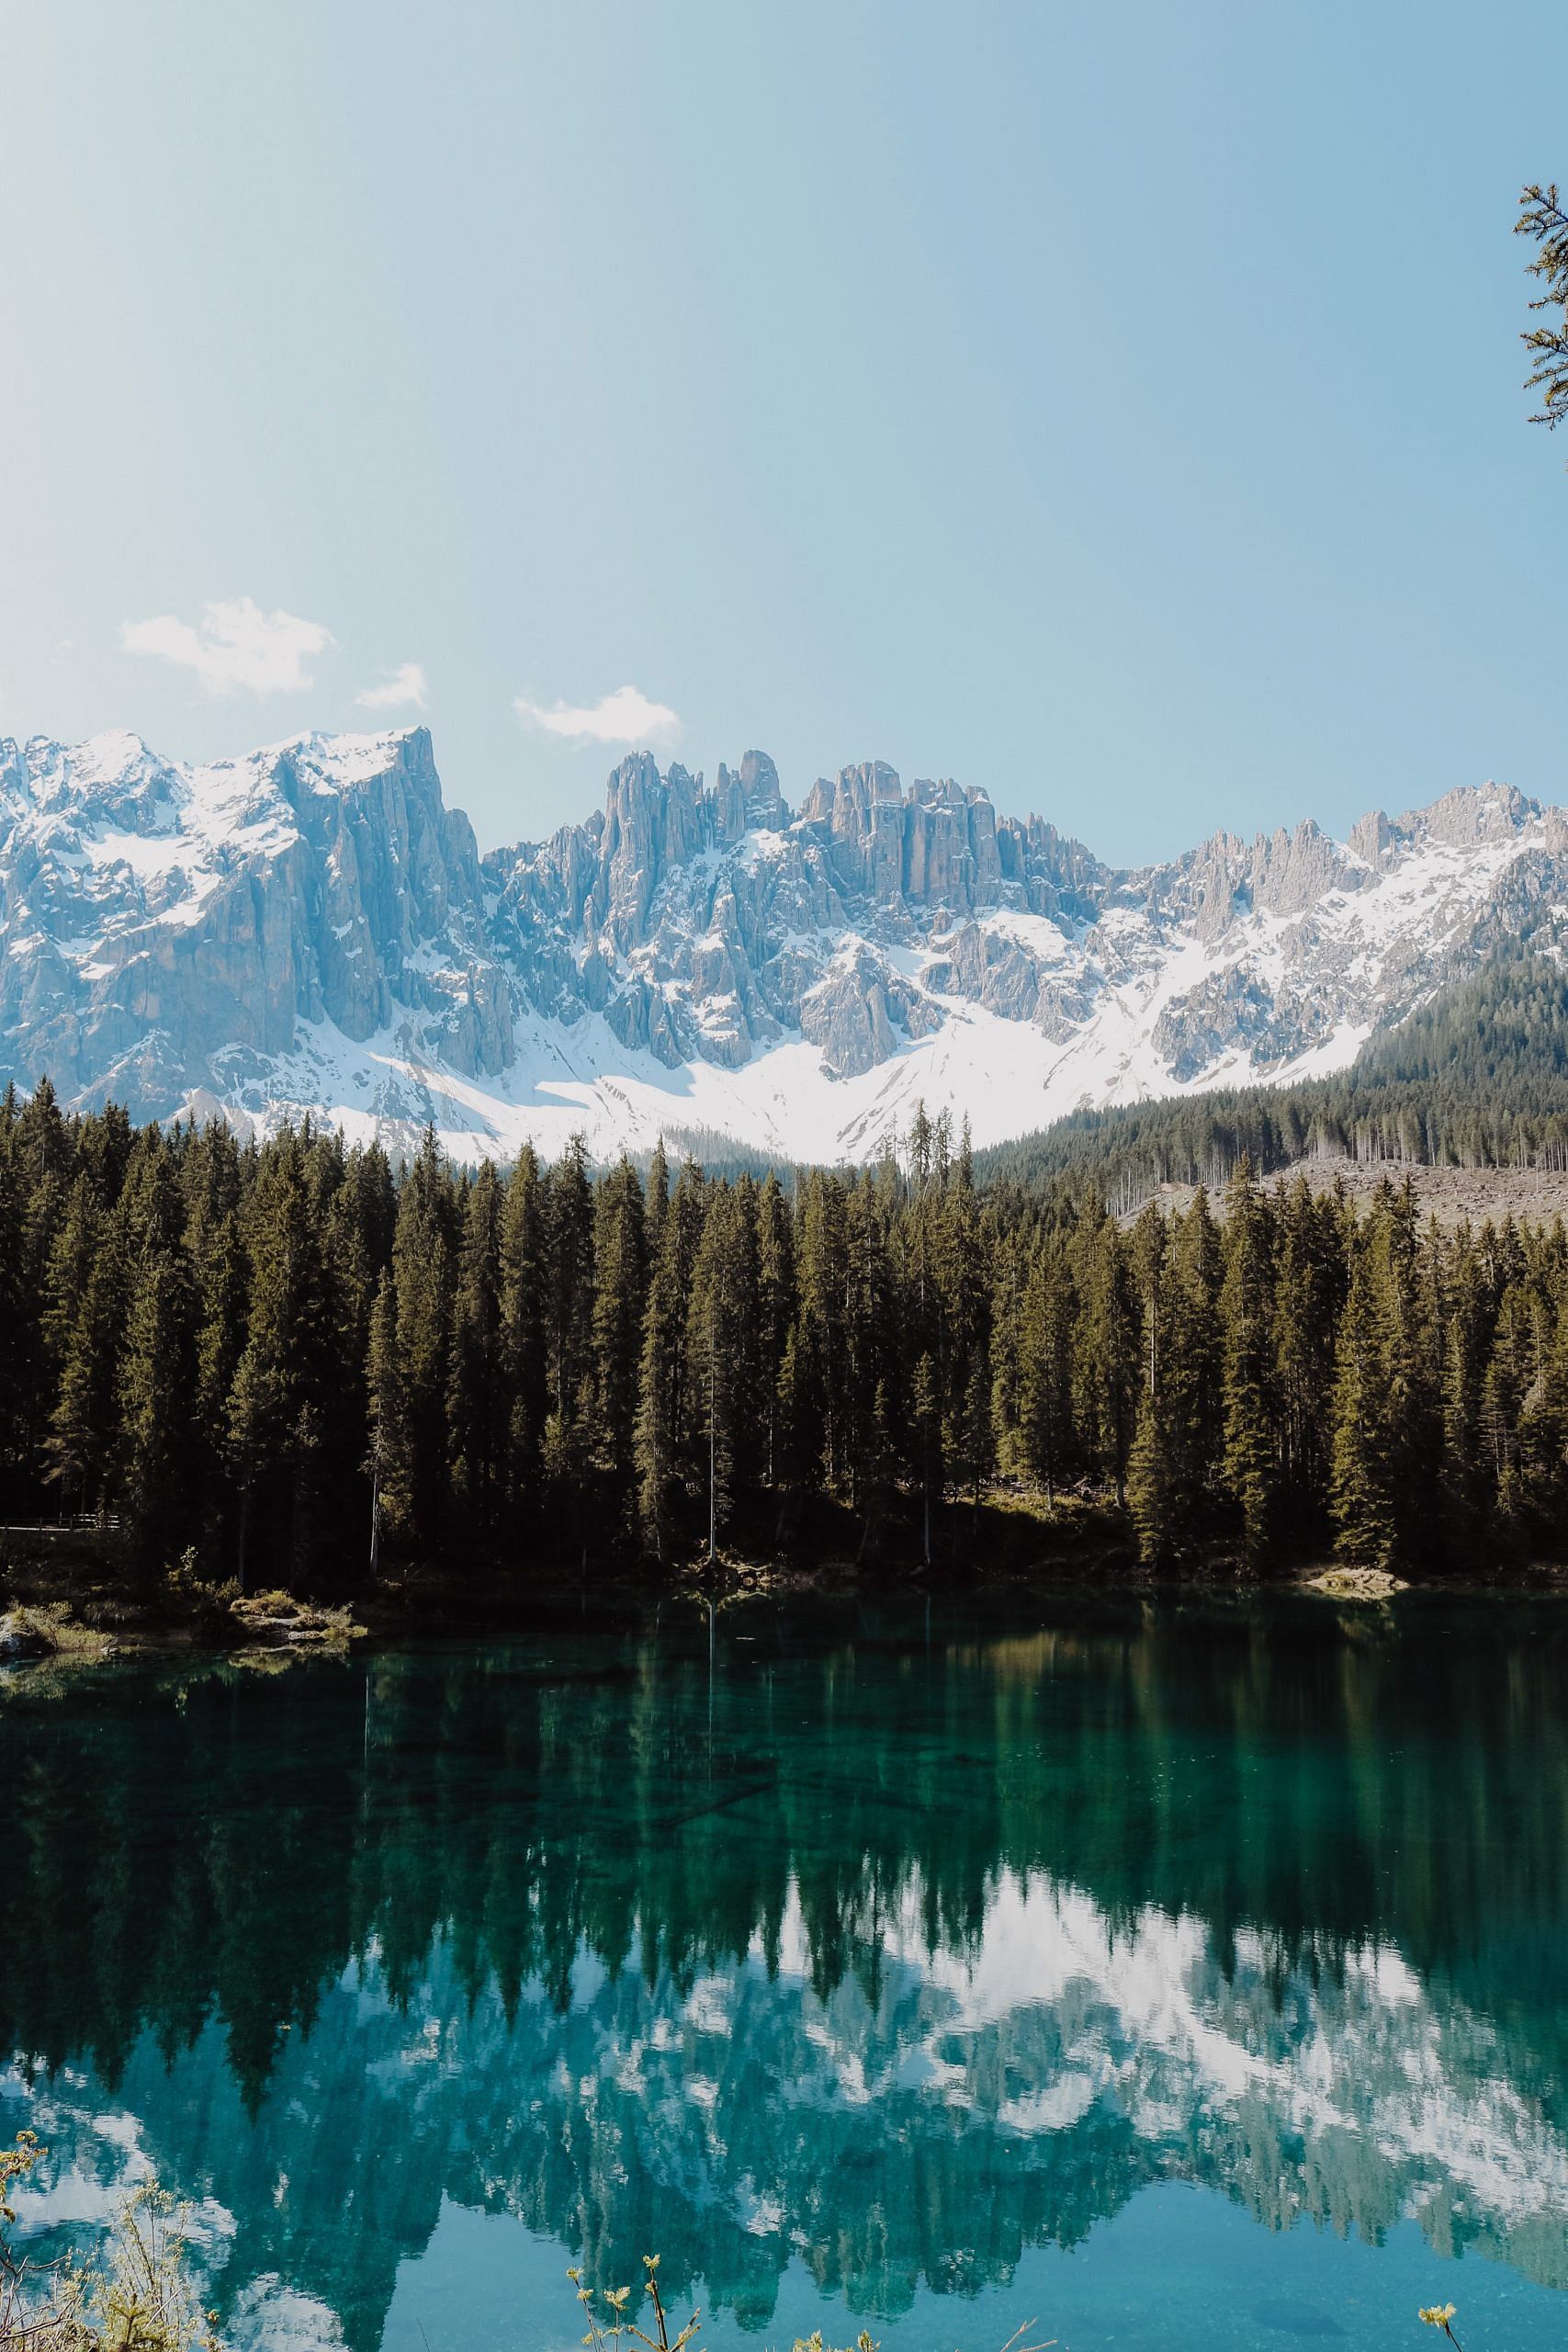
310,928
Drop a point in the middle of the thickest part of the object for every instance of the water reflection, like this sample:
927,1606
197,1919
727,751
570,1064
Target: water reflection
921,1957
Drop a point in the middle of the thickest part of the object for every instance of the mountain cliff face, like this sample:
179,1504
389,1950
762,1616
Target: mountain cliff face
309,927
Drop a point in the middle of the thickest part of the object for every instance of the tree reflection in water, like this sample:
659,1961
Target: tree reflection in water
898,1954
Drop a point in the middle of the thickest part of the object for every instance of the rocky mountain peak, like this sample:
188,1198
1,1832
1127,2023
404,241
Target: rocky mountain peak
310,926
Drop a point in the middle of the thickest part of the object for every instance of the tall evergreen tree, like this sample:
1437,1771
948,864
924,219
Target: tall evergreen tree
1106,1348
524,1281
155,1389
477,1419
423,1281
1365,1473
1046,1432
620,1285
1251,1463
273,1409
388,1458
83,1426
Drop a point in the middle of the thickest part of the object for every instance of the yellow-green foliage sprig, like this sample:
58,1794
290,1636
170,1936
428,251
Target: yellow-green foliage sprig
1440,2316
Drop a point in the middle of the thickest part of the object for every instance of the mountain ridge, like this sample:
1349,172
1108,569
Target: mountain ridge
308,927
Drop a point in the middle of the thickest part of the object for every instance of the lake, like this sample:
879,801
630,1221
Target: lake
1171,1973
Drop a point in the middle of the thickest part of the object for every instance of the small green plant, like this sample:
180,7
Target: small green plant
16,2162
141,2299
813,2343
622,2325
185,1590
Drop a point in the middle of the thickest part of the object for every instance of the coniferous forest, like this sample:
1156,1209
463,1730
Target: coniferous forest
1478,1078
303,1364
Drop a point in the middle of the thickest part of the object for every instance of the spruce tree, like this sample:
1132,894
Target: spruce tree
925,1434
722,1298
1106,1351
620,1283
1046,1372
155,1387
1152,1500
523,1322
824,1279
776,1311
1364,1473
423,1279
274,1407
388,1459
1466,1340
1251,1462
477,1419
84,1421
654,1434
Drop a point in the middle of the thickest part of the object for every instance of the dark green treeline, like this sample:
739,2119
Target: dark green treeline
1476,1078
281,1355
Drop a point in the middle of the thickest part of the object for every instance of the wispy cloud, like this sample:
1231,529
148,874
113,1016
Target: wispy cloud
625,716
237,646
406,689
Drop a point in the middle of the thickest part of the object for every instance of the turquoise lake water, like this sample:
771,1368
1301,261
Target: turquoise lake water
1169,1974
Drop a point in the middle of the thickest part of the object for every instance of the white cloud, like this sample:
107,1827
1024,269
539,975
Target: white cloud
404,688
625,716
236,646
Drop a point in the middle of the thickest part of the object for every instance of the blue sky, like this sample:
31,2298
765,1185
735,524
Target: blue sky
1117,407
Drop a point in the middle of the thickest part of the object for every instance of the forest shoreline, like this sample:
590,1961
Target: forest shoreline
76,1612
291,1368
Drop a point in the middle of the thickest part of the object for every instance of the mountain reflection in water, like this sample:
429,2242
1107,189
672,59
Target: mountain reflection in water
891,1954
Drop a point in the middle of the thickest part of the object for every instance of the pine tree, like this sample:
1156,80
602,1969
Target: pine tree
390,1460
274,1405
976,1444
824,1278
1046,1372
477,1419
20,1337
84,1420
964,1287
654,1436
355,1248
571,1278
1151,1479
1107,1350
1308,1295
1364,1490
155,1387
798,1438
1466,1341
620,1283
1251,1452
776,1311
869,1325
1508,1381
880,1471
925,1433
1194,1385
69,1272
423,1279
722,1301
524,1318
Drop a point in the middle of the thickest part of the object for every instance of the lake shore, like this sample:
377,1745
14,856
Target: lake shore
70,1602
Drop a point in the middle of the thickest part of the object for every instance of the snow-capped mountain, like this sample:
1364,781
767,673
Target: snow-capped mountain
309,927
